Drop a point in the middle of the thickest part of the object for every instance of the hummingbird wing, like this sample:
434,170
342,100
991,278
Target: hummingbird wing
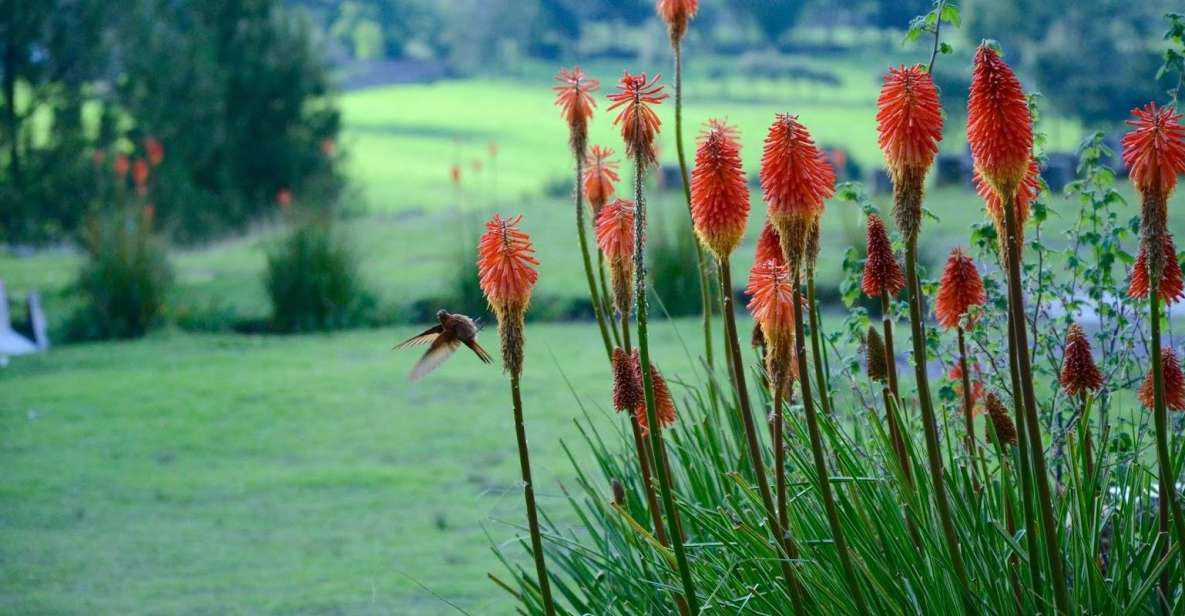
423,337
442,348
480,352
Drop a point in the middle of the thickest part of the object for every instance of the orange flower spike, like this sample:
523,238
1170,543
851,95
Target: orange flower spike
664,402
615,237
506,274
1079,372
1174,383
1154,150
959,290
140,175
908,119
676,14
769,247
574,98
882,274
600,175
154,151
639,123
1172,285
977,389
719,191
120,166
795,180
771,304
999,125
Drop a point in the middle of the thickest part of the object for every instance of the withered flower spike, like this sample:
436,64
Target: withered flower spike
874,356
1079,372
627,389
1000,421
882,274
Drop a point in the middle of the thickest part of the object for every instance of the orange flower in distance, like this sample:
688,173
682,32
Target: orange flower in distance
1172,286
719,192
600,175
140,175
615,237
664,402
956,375
1079,372
999,125
1174,383
1026,193
881,272
676,14
909,119
154,151
795,180
639,123
573,96
454,174
120,166
1154,150
769,247
959,290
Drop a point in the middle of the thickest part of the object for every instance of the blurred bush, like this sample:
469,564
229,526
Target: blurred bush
674,272
313,282
125,279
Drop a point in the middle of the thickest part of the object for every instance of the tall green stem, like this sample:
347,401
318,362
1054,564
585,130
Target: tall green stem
930,424
588,270
701,261
524,460
816,347
824,476
660,458
968,402
738,375
1168,491
890,354
1040,470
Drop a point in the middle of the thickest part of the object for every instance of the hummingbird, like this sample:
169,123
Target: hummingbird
453,331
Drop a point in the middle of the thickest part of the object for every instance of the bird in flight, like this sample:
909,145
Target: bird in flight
453,331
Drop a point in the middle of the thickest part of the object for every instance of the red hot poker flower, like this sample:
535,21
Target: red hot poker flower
639,123
600,175
959,290
1154,150
506,274
154,151
909,119
615,237
719,192
627,389
574,98
676,14
140,175
1172,285
999,125
120,166
664,402
956,375
1079,372
1026,193
795,179
769,247
771,303
882,274
1174,383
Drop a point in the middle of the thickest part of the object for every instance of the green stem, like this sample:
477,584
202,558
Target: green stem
968,403
1057,576
607,299
524,460
1006,492
588,272
738,374
816,348
659,452
824,476
930,424
890,354
780,456
1168,490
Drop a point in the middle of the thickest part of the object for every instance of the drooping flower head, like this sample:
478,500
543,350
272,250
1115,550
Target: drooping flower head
881,272
1079,372
959,290
140,175
639,123
573,96
506,274
664,402
1026,193
999,125
627,389
676,14
1000,422
1174,383
1172,285
908,120
795,180
615,237
976,380
600,175
874,355
769,247
719,192
772,305
1154,150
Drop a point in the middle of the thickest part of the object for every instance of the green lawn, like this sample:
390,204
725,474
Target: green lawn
216,474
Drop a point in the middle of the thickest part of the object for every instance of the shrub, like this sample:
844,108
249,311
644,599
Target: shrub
125,280
312,280
674,273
